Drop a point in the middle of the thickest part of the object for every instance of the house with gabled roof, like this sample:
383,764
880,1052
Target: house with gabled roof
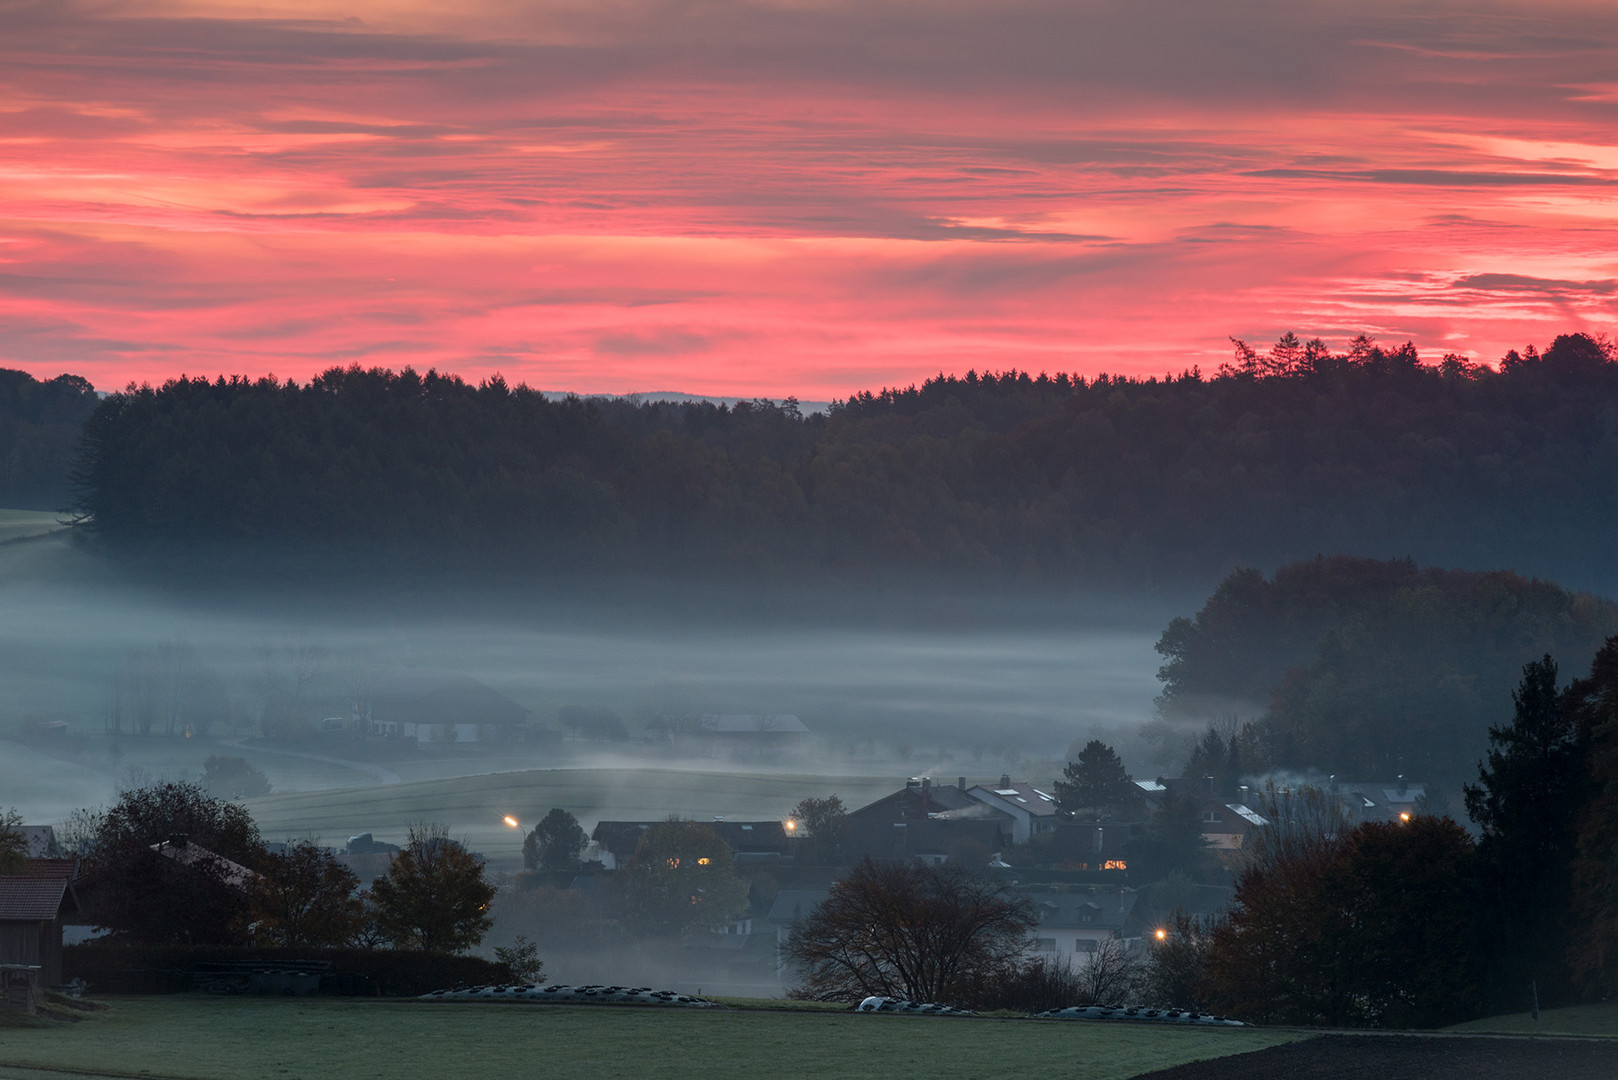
749,841
1074,922
439,710
1032,811
925,821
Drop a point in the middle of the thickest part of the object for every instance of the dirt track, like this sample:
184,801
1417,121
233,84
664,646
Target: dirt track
1411,1057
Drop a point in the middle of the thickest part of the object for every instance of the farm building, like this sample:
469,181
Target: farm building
743,735
439,710
33,904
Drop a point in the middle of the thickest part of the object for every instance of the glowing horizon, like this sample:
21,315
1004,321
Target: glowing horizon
805,198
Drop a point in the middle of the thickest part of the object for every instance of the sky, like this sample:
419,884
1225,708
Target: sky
794,196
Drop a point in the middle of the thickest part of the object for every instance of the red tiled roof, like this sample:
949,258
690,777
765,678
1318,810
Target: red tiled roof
64,869
29,899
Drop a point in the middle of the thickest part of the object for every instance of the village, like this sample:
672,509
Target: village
1105,863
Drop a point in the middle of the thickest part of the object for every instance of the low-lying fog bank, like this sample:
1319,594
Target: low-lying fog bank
887,682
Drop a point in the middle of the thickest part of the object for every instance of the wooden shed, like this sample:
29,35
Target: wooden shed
32,907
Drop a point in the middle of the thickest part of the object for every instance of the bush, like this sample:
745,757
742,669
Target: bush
159,969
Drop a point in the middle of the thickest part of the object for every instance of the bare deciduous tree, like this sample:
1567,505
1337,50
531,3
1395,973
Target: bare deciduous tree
904,929
1113,974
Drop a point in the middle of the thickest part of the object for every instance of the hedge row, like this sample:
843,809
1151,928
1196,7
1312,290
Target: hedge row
146,969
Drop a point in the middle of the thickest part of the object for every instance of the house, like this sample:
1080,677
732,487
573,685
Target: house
1376,800
929,822
33,905
39,841
749,841
439,710
743,735
1225,823
1073,923
790,907
1032,811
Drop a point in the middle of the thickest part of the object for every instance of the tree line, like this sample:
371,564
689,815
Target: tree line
989,477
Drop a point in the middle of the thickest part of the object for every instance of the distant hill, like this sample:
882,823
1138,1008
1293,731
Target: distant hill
984,478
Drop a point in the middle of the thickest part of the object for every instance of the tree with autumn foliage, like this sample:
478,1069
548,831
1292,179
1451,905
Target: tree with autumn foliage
434,896
305,896
1376,926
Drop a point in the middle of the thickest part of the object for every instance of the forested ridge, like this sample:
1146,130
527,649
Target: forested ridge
996,477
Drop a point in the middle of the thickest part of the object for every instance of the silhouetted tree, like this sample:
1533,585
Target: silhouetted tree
1093,781
233,778
146,897
13,845
1172,842
555,843
1593,950
305,896
821,826
905,929
1531,792
1376,928
1177,963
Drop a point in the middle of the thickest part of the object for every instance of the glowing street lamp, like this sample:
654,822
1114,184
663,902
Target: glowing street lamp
509,820
1404,816
790,826
1161,934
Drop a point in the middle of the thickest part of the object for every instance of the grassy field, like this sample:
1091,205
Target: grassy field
231,1038
1599,1019
472,806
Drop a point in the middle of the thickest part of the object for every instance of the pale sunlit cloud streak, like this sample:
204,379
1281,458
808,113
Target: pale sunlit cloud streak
807,198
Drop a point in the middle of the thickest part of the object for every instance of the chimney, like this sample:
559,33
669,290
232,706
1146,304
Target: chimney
960,782
1207,786
1005,780
926,787
1244,794
1402,784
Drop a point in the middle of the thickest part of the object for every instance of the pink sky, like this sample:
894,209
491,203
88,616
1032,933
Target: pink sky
793,197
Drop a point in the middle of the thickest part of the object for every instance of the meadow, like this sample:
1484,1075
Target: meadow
216,1038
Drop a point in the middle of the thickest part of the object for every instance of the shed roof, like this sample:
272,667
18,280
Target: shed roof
29,899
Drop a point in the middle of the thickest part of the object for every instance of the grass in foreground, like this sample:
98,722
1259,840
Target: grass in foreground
231,1038
1601,1019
